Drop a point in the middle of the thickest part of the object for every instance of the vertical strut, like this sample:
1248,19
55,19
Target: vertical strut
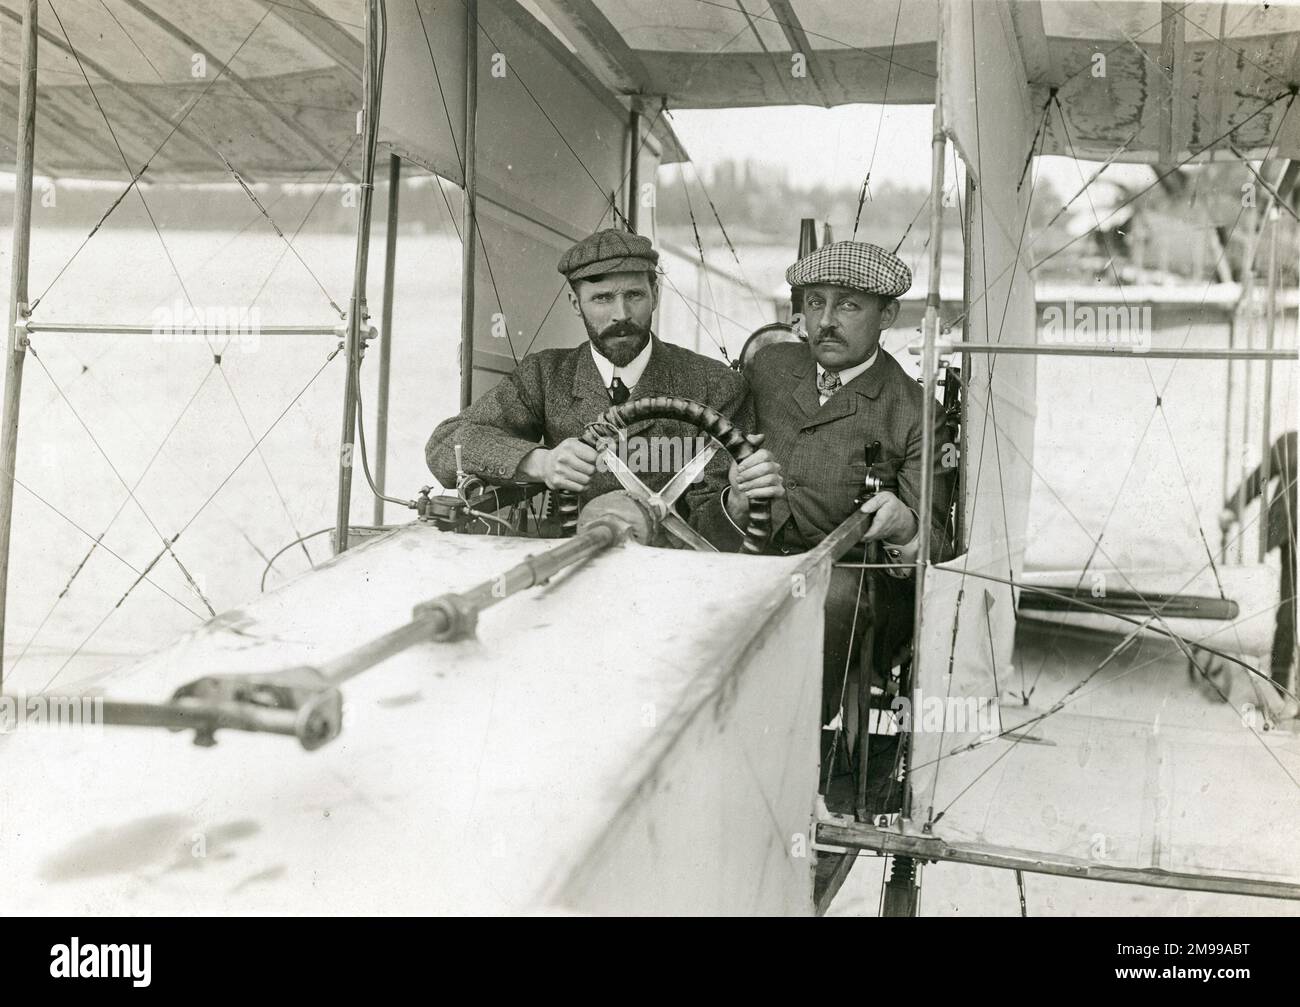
1266,422
18,299
357,305
469,207
386,334
929,374
633,167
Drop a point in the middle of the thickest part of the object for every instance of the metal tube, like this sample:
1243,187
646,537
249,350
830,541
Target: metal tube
357,305
89,328
633,167
1227,434
386,334
861,836
469,207
1114,352
533,570
1266,424
929,375
26,152
1246,399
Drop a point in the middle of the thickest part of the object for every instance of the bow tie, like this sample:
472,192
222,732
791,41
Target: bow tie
828,382
618,393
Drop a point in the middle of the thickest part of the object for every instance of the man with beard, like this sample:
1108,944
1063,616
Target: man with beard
527,427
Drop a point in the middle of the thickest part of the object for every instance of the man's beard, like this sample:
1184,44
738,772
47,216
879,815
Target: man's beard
619,342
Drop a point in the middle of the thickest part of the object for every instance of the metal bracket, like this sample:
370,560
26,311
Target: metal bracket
297,701
450,617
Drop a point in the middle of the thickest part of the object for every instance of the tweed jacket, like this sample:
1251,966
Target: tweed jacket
553,394
821,447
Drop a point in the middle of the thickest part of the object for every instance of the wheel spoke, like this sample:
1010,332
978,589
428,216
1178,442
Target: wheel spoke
674,524
625,476
687,474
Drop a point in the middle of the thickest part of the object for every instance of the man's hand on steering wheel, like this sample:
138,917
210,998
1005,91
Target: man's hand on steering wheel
758,477
567,466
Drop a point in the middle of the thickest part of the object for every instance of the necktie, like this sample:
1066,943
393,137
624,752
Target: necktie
828,382
618,393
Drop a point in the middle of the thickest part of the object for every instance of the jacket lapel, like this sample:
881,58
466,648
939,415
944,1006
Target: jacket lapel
587,385
804,374
872,380
844,402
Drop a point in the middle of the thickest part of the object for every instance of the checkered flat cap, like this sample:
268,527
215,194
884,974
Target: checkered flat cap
853,264
608,251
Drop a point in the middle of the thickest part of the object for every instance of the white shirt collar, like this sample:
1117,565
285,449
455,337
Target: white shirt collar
629,374
849,373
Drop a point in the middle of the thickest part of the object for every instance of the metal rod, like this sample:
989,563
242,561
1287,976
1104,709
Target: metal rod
386,334
1246,403
633,167
1227,433
469,207
1115,352
357,304
88,328
929,375
26,155
435,623
860,836
1266,424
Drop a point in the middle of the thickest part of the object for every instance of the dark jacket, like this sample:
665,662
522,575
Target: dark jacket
552,395
820,448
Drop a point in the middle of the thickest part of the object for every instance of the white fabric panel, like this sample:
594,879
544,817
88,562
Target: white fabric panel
413,119
666,768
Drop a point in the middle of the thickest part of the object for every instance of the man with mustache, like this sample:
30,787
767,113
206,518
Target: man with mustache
527,427
820,404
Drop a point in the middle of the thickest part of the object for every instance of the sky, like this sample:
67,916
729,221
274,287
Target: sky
835,146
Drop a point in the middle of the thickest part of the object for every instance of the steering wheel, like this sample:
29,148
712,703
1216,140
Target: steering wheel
605,430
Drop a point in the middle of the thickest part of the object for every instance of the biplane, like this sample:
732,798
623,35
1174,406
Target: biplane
502,705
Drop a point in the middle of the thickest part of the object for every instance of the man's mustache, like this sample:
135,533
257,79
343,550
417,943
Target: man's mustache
622,328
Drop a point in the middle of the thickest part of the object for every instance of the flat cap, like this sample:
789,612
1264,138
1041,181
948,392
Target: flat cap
853,264
609,251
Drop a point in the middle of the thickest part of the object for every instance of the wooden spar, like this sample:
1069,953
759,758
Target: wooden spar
1266,425
22,236
929,374
1227,433
633,166
89,328
386,334
850,835
469,207
1247,378
1247,300
357,305
1118,352
452,616
1172,38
